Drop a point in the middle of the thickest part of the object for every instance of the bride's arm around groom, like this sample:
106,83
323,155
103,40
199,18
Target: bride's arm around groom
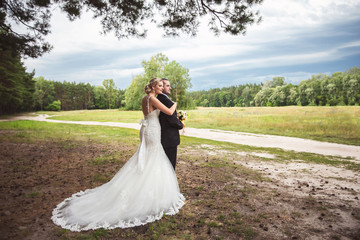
170,125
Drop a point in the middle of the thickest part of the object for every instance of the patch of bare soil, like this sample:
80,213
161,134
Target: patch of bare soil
296,200
36,177
228,197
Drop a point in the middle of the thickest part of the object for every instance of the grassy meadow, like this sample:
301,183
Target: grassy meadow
340,124
97,115
33,132
42,163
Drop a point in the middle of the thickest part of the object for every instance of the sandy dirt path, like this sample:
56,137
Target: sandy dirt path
258,140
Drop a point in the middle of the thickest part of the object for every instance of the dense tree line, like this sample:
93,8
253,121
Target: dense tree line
76,96
341,88
242,95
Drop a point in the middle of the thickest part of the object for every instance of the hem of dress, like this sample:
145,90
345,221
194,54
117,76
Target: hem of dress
59,220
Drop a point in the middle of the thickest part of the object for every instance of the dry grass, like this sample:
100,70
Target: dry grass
333,124
340,124
111,115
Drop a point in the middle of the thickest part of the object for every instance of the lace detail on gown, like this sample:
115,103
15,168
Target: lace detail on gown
142,191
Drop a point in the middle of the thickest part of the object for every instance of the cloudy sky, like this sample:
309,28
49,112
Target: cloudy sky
295,40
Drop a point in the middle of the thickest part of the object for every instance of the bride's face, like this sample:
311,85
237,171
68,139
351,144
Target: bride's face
159,88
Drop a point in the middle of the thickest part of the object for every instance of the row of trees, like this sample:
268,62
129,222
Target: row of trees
338,89
242,95
76,96
19,91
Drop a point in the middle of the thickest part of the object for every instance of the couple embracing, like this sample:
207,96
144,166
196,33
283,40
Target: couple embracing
170,124
146,187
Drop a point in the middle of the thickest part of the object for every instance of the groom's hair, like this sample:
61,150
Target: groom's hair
164,79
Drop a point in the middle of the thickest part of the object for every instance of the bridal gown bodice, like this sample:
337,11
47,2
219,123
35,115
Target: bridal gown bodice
142,191
151,128
150,134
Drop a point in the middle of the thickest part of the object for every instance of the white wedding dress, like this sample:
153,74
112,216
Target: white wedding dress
142,191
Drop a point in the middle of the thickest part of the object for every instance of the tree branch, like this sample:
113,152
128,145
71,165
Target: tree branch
214,13
18,18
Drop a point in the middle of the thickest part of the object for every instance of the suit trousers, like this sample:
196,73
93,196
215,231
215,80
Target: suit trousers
171,154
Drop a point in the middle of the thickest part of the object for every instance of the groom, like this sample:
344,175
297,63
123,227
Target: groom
170,125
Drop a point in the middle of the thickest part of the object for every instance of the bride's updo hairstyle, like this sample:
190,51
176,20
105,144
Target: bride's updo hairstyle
152,84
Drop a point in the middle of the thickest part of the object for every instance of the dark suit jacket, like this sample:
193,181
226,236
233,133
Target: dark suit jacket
170,125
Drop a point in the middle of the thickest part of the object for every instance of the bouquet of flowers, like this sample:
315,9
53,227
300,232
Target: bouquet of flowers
182,116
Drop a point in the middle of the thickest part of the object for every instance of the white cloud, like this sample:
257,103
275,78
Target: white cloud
101,74
280,60
286,22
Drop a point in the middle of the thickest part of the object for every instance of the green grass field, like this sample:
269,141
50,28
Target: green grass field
339,124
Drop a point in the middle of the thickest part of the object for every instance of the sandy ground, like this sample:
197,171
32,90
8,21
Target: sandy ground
303,178
258,140
333,186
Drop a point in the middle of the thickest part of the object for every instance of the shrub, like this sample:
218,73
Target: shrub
54,106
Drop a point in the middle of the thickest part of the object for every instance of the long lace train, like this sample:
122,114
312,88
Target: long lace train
58,218
142,191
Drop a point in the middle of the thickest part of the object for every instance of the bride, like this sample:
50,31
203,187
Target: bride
142,191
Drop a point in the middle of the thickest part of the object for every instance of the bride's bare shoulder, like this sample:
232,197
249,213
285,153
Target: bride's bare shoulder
150,97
